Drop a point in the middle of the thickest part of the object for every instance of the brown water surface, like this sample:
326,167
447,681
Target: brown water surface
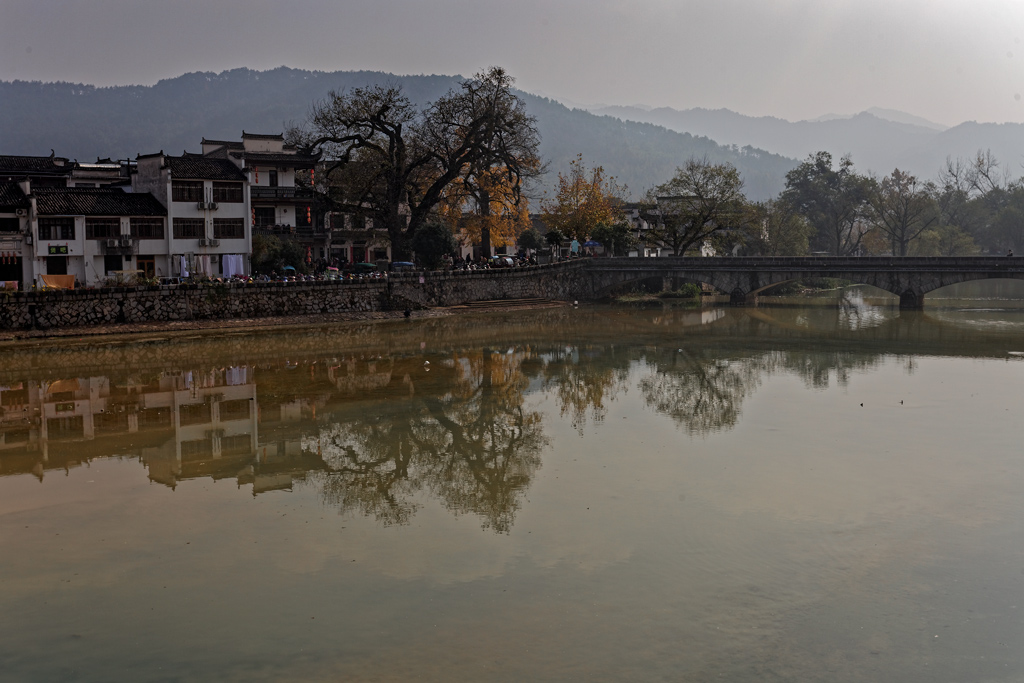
797,493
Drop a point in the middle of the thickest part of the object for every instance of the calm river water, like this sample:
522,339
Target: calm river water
787,493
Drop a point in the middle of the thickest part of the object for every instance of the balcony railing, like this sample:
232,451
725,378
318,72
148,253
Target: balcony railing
279,193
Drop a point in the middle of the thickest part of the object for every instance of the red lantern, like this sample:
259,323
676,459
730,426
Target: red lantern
309,216
257,169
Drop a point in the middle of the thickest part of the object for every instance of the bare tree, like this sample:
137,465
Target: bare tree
902,209
390,162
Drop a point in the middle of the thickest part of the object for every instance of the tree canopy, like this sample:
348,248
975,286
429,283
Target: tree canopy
834,200
392,162
702,199
585,198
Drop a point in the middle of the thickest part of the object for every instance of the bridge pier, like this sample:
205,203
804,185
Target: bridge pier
741,298
911,301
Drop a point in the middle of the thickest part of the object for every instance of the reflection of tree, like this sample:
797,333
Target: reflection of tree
815,368
370,464
492,445
470,442
585,380
702,393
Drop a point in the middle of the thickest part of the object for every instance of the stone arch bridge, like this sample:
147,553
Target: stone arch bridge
743,278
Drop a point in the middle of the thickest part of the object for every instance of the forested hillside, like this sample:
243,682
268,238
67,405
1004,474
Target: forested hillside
85,122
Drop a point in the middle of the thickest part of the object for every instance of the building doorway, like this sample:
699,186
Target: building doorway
112,263
10,271
56,265
147,264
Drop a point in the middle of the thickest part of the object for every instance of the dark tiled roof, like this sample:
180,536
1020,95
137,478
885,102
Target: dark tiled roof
258,136
224,143
96,202
21,166
11,197
278,158
198,167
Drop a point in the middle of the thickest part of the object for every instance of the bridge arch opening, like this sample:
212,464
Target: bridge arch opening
980,288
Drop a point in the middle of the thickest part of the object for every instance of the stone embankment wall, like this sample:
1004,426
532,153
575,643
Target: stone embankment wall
52,309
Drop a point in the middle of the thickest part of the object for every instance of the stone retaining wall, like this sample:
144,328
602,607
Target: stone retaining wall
52,309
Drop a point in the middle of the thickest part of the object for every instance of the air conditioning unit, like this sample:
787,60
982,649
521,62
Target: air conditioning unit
21,212
203,242
214,243
212,206
126,241
112,243
200,205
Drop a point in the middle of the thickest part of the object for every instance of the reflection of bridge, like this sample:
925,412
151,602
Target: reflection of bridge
909,278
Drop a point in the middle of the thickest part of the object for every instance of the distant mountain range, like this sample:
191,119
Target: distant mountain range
639,145
86,122
878,140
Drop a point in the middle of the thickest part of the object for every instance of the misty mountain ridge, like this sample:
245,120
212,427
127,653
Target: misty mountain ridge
86,122
878,140
894,115
640,146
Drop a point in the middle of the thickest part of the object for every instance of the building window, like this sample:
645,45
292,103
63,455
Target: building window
265,216
112,263
59,228
187,190
240,444
196,449
102,228
148,228
189,228
229,228
303,216
235,410
194,413
227,193
273,177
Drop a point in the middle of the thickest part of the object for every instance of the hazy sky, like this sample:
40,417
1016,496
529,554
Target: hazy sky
946,60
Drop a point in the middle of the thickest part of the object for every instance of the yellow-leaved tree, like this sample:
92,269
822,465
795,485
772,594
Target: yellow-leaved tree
585,199
486,208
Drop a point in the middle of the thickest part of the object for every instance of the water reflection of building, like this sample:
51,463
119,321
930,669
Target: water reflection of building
181,425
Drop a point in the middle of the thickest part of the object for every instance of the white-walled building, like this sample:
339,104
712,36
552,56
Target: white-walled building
278,203
89,233
94,233
208,213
